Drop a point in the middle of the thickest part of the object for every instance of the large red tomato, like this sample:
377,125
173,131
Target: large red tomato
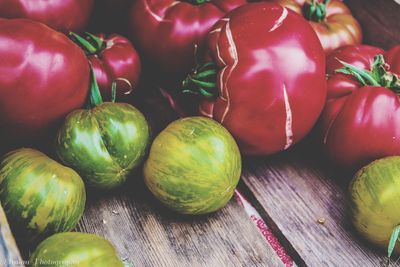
167,31
43,77
361,121
112,57
331,20
266,81
62,15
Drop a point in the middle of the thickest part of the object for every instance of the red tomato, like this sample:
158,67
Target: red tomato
331,20
62,15
167,31
43,77
267,85
112,57
361,120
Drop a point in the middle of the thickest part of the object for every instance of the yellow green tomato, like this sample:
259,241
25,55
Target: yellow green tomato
194,166
75,249
40,196
374,202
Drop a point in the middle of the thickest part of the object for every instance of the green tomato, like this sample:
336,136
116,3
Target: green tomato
75,249
194,166
40,196
104,143
374,201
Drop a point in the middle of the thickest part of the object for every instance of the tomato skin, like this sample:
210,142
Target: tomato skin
266,102
194,166
77,249
40,196
360,123
339,28
374,197
43,77
104,143
61,15
118,59
167,31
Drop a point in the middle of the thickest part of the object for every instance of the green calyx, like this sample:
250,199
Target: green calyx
95,98
393,240
90,43
378,76
202,81
315,11
197,2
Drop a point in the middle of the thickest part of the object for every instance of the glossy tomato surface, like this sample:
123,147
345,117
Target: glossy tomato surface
194,166
105,143
40,196
374,196
360,122
61,15
43,77
335,28
166,32
75,249
271,77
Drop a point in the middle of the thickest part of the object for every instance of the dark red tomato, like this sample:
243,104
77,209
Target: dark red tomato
62,15
331,20
167,31
361,120
266,82
112,57
43,77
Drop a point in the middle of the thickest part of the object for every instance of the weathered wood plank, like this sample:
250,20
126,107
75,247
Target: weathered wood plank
146,234
9,253
379,20
297,189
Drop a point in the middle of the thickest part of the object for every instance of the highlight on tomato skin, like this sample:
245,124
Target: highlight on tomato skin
194,166
374,195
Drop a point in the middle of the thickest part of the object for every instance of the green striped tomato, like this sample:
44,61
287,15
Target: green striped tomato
374,200
104,143
194,166
40,196
75,249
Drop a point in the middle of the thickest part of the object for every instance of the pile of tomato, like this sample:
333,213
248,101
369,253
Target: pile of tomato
249,78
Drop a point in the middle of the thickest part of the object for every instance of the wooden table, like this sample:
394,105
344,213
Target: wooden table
301,198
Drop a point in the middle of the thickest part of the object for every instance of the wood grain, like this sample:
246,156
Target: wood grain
297,189
146,234
9,253
379,19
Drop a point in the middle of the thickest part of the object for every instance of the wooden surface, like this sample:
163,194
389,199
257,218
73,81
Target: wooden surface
9,253
296,192
145,234
379,19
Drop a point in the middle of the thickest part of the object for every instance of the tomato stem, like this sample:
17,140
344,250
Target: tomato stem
393,240
95,98
378,76
202,81
315,11
197,2
91,44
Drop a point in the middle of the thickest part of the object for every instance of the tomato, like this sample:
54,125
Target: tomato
75,249
167,32
103,143
111,57
61,15
43,77
331,20
374,197
194,166
40,196
359,123
251,84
